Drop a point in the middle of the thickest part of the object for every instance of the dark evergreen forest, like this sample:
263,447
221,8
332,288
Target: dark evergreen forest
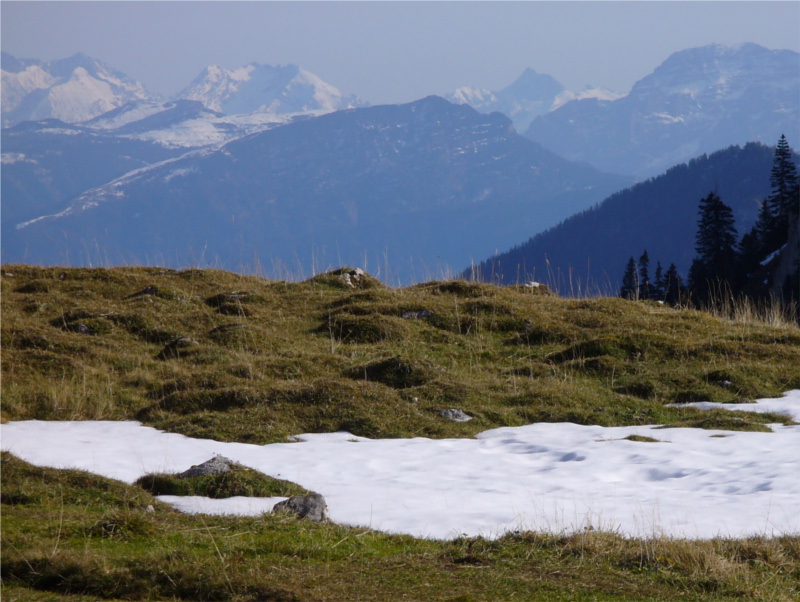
762,265
587,253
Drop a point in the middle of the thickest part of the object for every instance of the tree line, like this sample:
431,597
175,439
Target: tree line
726,266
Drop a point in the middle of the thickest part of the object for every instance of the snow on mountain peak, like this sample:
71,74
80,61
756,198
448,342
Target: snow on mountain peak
588,92
716,68
71,90
530,95
265,88
477,98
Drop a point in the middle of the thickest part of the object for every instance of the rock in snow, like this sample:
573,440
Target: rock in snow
216,465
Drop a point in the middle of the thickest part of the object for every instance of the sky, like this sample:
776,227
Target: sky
389,52
556,478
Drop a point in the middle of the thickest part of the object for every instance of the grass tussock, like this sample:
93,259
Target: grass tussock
238,481
238,358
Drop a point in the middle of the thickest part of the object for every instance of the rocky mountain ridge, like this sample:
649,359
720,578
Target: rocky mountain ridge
698,101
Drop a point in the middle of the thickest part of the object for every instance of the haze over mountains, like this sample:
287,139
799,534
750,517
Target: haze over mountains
273,165
531,95
697,101
590,249
428,183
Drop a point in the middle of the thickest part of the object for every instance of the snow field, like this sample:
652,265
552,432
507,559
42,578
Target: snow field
548,477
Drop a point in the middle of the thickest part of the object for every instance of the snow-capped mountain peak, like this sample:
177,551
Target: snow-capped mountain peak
477,98
265,88
72,90
716,69
530,95
697,101
588,92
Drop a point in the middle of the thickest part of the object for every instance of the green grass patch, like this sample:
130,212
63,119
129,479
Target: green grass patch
234,357
238,481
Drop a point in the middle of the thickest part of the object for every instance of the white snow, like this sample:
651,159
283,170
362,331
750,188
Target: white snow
478,98
598,93
768,259
133,112
215,131
78,97
16,86
10,158
550,477
265,88
667,118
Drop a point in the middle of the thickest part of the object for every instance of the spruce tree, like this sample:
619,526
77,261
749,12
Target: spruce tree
715,243
749,276
673,286
644,276
630,284
659,283
782,201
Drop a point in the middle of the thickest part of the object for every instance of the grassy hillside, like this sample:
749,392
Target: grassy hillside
238,358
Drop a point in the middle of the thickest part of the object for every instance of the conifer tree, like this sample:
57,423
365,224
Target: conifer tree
715,243
750,252
630,284
659,283
644,276
673,286
782,201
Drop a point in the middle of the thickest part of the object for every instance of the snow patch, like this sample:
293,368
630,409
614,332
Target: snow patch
546,477
11,158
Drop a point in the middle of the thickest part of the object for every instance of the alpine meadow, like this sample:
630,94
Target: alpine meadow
266,339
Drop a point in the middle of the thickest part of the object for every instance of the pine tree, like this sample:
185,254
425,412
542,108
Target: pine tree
630,284
659,284
673,286
715,243
749,272
782,201
644,276
698,282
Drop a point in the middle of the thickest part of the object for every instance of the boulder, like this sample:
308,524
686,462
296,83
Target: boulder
312,507
216,465
80,328
455,415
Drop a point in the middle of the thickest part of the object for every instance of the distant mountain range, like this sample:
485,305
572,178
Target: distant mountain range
697,101
272,164
531,95
266,89
425,185
71,90
81,88
588,251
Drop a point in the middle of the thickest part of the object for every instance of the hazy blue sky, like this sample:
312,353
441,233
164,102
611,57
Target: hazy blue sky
393,51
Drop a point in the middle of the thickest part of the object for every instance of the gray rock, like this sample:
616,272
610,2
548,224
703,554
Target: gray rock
455,415
174,348
417,315
312,507
80,328
216,465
